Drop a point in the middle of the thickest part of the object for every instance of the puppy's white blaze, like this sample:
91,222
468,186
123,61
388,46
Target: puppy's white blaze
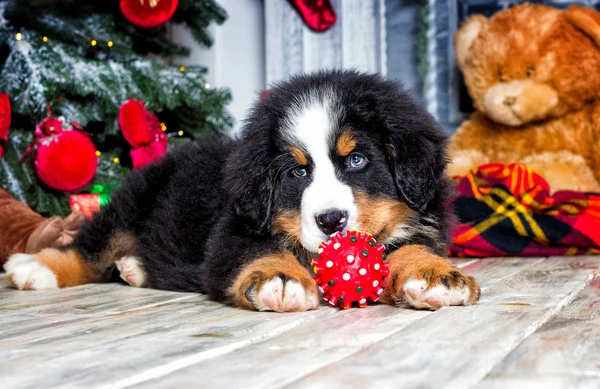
312,123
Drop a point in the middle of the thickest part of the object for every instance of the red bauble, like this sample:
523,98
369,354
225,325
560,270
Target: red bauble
318,15
143,132
66,161
351,268
51,126
148,13
4,121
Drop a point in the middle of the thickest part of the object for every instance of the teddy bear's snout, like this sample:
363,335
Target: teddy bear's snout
518,102
510,100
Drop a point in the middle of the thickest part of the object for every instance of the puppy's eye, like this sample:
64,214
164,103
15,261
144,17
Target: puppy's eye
299,172
356,161
529,72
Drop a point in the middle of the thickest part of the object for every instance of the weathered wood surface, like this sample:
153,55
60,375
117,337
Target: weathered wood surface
536,326
568,345
318,345
459,347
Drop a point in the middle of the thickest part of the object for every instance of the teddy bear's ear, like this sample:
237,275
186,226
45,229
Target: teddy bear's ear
466,35
586,20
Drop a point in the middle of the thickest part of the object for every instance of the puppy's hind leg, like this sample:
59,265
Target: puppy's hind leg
50,269
123,252
108,238
74,265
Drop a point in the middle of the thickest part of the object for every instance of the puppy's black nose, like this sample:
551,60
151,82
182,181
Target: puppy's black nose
332,221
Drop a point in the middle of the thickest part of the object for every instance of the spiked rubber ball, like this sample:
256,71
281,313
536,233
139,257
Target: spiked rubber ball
351,268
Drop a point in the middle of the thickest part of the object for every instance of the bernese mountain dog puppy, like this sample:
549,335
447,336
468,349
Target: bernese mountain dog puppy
240,219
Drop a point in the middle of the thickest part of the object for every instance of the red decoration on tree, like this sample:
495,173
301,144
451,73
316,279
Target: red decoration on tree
148,13
4,121
143,132
65,159
318,15
51,126
86,203
350,268
90,203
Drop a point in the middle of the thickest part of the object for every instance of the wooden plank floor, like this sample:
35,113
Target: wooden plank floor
537,325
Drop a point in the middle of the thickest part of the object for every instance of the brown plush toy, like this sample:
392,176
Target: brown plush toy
24,231
533,73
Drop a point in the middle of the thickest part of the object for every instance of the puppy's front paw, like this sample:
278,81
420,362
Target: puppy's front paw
429,281
439,290
275,283
25,273
281,294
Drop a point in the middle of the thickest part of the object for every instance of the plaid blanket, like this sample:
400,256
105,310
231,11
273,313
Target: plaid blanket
507,210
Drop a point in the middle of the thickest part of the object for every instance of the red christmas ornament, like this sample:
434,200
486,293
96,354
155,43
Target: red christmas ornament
51,126
351,268
318,15
65,159
148,13
4,121
143,132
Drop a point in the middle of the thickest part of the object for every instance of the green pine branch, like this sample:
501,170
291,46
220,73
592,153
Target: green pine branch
84,59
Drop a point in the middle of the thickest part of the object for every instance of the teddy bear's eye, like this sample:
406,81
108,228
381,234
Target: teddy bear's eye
529,72
502,77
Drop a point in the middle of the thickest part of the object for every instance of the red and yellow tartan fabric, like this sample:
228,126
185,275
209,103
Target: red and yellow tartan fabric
507,210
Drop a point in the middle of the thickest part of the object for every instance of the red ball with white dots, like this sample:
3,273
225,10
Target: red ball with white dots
351,268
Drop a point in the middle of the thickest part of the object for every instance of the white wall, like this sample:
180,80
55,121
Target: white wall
236,60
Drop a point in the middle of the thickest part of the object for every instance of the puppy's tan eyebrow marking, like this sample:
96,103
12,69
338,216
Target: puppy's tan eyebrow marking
345,143
298,155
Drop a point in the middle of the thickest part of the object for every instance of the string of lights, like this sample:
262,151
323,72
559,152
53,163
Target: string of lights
110,43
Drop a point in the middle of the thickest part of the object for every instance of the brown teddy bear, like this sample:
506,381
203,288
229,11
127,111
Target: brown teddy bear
24,231
533,73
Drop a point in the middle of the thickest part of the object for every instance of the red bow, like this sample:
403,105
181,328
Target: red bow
48,127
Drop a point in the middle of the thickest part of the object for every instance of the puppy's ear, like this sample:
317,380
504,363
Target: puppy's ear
249,183
418,162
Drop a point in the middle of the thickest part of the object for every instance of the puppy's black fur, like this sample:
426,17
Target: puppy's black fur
206,209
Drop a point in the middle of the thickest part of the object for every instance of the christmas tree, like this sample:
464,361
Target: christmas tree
84,59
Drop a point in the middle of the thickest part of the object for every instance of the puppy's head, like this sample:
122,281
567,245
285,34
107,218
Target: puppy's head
332,151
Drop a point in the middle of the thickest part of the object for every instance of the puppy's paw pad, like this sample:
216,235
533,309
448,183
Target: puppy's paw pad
414,289
131,271
296,298
448,290
289,296
437,297
26,273
270,295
